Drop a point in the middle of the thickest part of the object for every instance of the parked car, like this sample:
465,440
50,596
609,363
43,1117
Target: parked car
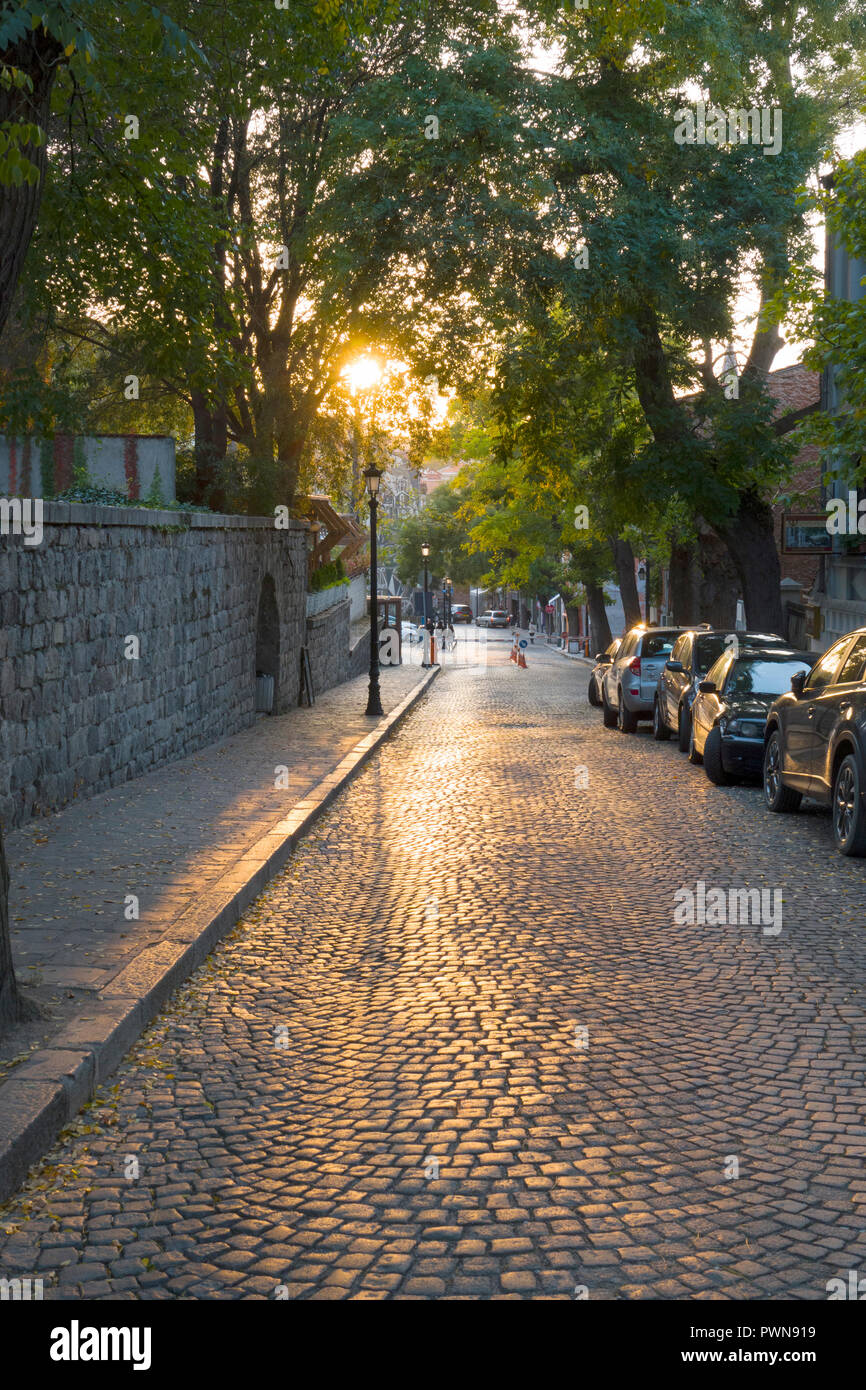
628,686
602,660
461,613
409,632
815,742
692,656
730,709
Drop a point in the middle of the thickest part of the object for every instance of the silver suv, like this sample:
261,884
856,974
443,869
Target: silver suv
628,686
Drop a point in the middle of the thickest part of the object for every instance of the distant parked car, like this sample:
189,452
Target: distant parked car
692,656
602,660
815,742
461,613
730,710
628,686
409,632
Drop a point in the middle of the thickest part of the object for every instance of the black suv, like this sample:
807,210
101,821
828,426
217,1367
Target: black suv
693,655
815,742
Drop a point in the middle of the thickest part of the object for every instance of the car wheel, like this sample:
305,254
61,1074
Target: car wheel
849,819
777,796
626,721
608,713
592,693
661,732
694,755
713,766
684,729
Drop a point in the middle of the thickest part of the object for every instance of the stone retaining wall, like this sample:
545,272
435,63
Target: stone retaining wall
128,637
328,646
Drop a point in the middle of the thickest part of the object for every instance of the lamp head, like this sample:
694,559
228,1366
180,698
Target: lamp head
425,549
372,477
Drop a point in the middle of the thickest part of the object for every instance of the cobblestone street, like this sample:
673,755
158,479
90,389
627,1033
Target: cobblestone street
460,1048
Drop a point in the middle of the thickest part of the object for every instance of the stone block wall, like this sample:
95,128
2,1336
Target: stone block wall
328,646
130,637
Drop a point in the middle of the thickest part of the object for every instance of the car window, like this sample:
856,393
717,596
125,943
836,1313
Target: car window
629,642
614,646
824,671
679,652
756,676
716,673
657,643
854,662
707,651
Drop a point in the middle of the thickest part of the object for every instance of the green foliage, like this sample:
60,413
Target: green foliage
155,496
328,576
443,523
80,472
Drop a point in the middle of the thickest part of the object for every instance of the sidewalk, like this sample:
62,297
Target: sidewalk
186,848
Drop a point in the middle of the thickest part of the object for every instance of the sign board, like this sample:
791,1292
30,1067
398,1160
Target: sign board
523,642
805,533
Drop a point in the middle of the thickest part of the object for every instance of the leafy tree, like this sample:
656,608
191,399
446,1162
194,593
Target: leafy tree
443,524
836,326
672,231
37,47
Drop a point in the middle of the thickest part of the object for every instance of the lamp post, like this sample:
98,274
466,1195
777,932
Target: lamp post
373,477
425,553
446,600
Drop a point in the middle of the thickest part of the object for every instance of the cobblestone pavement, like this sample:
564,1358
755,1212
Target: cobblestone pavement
165,837
379,1086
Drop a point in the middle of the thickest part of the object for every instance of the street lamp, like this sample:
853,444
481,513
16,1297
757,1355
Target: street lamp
425,553
373,477
446,600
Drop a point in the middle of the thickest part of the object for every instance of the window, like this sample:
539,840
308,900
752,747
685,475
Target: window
679,652
708,650
628,645
824,672
717,673
657,644
761,676
853,668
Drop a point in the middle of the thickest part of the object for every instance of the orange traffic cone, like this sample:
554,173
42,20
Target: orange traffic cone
521,661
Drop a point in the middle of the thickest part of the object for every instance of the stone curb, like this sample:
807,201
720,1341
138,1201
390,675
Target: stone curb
46,1092
575,656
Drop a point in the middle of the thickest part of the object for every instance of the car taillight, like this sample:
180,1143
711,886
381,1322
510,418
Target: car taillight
634,666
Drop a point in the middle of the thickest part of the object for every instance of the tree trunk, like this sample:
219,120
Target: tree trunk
211,441
719,582
12,1007
623,556
685,584
751,541
37,55
599,627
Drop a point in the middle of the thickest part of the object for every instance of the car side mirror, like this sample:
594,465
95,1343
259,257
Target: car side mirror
798,680
602,658
674,665
707,688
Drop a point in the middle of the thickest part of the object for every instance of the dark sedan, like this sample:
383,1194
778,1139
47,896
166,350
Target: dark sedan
461,613
730,709
693,655
816,742
602,660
